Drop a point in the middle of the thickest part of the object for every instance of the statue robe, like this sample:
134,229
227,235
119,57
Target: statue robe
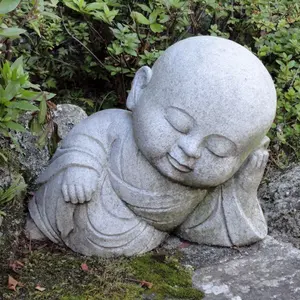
134,206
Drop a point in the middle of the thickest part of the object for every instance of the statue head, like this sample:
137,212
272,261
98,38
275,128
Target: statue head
206,104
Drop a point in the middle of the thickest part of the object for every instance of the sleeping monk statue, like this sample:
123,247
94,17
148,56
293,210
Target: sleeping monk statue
185,158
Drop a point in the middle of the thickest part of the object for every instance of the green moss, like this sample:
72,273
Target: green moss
61,275
59,271
168,277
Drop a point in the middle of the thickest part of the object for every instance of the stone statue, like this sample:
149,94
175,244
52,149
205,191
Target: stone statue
187,158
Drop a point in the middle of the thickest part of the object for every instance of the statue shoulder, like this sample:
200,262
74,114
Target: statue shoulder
104,122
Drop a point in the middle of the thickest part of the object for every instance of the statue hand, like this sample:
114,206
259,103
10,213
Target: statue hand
250,174
79,184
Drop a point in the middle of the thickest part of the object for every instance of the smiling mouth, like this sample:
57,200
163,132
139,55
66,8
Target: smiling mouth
177,165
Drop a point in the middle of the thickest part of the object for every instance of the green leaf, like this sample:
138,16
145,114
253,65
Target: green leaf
6,72
51,15
11,90
42,112
7,6
24,105
157,28
29,95
144,8
291,64
11,32
15,126
17,63
153,16
53,3
29,85
35,126
35,26
41,5
71,5
164,19
42,141
130,51
14,190
3,157
94,6
139,18
48,95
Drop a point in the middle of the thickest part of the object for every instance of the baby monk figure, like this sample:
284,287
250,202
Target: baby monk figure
187,158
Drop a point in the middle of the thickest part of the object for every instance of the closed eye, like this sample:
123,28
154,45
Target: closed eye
220,145
179,119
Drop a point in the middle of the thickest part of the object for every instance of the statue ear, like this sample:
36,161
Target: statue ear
140,81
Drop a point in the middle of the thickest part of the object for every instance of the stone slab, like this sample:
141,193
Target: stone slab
271,270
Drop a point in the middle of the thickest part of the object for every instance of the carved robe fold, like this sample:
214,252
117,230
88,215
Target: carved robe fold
132,211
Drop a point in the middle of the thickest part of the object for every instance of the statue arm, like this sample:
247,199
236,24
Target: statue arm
82,159
231,214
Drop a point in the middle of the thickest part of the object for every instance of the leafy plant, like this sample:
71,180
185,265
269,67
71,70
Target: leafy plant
97,45
17,95
16,188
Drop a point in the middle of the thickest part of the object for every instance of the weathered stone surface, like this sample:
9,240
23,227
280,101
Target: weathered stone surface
190,156
5,177
280,199
272,271
32,160
66,116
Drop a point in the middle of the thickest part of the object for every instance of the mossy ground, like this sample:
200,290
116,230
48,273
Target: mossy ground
59,270
169,278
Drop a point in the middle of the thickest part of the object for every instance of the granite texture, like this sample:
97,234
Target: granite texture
272,271
66,116
189,156
280,198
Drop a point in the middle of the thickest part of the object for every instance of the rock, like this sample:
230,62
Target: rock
273,272
5,176
280,199
266,270
32,159
66,116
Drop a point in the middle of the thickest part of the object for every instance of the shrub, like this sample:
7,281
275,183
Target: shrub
94,47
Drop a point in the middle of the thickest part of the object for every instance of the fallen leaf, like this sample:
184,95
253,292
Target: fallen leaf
51,105
16,265
39,288
184,245
84,267
12,283
146,284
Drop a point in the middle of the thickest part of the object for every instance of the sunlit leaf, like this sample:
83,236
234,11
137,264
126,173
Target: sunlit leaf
144,8
139,18
7,6
11,90
42,112
24,105
11,32
14,126
157,28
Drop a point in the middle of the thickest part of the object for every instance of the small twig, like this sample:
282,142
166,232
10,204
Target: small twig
126,63
104,98
78,41
96,31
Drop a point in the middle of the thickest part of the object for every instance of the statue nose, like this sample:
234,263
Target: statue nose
191,146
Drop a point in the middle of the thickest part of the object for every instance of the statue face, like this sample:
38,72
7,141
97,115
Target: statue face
203,107
184,148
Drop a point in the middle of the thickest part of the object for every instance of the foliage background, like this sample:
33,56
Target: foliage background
87,51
